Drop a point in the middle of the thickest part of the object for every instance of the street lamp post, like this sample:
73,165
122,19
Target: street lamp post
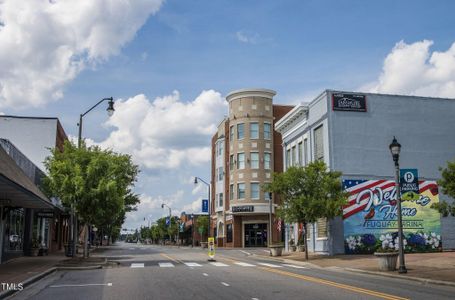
395,148
73,231
269,238
208,185
170,218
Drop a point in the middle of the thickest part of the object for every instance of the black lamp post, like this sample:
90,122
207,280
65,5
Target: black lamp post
110,111
170,217
395,149
208,185
269,238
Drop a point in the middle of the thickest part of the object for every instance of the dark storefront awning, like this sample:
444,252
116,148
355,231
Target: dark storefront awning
16,189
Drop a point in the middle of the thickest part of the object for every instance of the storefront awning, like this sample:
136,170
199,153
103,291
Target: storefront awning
16,189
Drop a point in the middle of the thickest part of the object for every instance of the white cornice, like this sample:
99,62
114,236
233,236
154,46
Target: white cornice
250,92
290,117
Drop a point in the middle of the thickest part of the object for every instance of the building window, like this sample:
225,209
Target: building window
240,132
318,144
231,162
322,227
231,192
220,200
300,152
254,190
14,230
288,158
305,152
241,161
220,174
231,134
240,191
254,130
267,164
267,131
254,160
220,149
294,159
229,233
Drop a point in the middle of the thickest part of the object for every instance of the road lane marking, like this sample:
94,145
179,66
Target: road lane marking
244,264
335,284
270,265
80,285
219,264
247,253
132,248
294,266
171,258
192,264
254,298
224,283
137,265
205,274
166,265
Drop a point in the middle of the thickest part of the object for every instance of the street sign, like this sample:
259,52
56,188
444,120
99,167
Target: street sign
211,247
168,221
205,205
409,184
182,227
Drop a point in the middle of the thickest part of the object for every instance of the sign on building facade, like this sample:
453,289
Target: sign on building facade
370,217
349,102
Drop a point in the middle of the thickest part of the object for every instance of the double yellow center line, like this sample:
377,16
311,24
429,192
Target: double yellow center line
335,284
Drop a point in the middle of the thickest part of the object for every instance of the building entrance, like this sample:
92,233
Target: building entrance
256,235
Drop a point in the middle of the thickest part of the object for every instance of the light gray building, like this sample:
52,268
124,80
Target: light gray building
351,132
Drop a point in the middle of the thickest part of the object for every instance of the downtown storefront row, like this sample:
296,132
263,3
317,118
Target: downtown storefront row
29,220
351,133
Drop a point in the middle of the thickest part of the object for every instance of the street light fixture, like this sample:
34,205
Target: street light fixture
170,217
208,185
73,219
395,149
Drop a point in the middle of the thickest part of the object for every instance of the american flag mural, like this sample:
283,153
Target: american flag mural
370,217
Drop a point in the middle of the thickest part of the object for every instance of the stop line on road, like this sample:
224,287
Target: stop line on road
217,264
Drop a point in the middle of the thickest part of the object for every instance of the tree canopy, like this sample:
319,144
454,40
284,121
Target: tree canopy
308,193
447,183
96,182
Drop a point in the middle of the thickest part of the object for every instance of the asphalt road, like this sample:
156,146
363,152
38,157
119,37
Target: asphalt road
154,272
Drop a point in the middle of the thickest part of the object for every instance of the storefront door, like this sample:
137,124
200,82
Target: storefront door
255,235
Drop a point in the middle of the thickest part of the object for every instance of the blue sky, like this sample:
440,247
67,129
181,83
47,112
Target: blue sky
181,51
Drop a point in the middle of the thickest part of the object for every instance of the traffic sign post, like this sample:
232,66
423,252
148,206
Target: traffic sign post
409,184
205,205
211,248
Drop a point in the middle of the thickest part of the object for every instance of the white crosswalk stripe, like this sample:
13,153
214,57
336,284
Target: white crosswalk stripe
137,265
270,265
166,265
244,264
294,266
218,264
193,264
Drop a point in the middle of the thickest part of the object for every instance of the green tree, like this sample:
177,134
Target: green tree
447,183
308,194
202,224
96,183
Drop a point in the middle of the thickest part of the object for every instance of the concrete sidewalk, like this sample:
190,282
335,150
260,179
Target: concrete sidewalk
438,266
27,269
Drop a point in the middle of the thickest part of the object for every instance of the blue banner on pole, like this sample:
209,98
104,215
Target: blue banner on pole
205,205
168,221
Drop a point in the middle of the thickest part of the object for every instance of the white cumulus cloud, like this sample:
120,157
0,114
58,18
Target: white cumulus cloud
412,69
46,44
166,132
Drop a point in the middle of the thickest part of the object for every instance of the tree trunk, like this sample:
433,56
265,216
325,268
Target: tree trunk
86,241
305,239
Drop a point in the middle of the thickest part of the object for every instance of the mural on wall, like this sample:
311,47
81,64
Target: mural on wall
370,218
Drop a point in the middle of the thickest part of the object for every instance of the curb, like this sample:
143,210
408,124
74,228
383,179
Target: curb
420,279
94,267
28,282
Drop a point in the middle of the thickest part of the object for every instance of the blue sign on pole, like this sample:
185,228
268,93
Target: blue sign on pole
409,184
168,221
205,205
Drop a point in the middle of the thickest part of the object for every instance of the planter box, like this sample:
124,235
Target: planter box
34,251
204,245
387,261
276,250
292,248
301,248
